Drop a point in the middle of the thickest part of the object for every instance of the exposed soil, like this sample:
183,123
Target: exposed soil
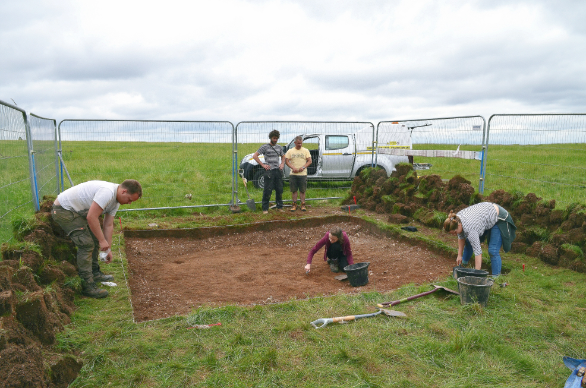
173,275
35,304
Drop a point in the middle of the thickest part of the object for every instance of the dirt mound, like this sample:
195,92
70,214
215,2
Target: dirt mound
35,304
557,236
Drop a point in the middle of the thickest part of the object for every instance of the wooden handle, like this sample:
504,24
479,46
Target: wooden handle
346,318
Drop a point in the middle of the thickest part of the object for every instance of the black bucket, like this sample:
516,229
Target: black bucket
474,289
461,271
357,274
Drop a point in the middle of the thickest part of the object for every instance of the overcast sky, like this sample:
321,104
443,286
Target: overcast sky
292,60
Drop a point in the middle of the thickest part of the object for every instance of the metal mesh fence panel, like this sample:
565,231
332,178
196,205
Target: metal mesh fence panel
44,141
180,164
15,189
443,146
541,154
338,150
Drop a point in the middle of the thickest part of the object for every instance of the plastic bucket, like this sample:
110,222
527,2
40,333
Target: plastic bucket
357,274
474,289
461,271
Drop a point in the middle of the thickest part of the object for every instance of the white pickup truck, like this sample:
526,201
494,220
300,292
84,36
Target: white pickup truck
339,157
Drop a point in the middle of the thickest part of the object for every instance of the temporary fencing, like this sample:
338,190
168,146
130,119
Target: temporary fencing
44,151
15,186
190,164
543,154
181,164
445,146
338,150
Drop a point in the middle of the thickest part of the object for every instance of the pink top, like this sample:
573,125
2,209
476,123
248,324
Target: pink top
326,241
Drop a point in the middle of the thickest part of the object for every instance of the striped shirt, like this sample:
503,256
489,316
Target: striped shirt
272,153
476,219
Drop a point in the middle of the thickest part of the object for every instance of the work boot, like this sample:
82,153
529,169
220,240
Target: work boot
294,207
90,289
102,277
303,206
333,265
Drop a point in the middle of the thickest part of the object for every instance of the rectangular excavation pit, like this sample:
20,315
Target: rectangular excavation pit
174,271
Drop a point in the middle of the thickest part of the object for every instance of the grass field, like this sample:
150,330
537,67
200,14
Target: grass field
518,340
171,171
553,171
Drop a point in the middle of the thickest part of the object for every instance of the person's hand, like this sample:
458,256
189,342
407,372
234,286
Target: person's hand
307,268
282,166
109,258
104,245
266,167
459,260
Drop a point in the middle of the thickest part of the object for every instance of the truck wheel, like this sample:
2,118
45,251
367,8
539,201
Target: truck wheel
259,178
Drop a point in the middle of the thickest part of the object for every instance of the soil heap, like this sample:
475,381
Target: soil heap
37,287
556,236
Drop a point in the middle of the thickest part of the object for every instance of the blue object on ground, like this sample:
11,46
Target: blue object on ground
578,368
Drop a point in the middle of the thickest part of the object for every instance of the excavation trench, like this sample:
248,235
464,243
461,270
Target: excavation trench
173,272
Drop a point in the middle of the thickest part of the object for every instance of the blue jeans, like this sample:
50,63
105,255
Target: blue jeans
494,247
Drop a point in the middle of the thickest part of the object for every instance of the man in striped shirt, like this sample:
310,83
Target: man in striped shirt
473,225
273,165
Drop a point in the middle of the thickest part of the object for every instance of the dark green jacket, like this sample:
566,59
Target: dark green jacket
507,228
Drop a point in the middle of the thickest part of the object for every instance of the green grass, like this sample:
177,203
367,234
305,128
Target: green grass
15,187
170,171
552,171
518,340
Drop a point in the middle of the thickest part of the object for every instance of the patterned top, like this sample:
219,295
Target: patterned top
272,153
298,158
476,219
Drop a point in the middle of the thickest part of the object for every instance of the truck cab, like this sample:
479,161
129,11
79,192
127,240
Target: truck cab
334,157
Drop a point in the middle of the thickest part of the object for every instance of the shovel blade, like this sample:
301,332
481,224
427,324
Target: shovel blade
446,289
393,313
251,205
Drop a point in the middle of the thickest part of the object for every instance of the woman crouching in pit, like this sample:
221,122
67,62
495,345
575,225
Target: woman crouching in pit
337,253
484,220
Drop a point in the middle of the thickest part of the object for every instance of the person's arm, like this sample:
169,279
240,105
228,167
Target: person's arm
108,231
255,157
282,165
94,224
474,240
314,250
348,249
461,244
478,261
288,163
307,163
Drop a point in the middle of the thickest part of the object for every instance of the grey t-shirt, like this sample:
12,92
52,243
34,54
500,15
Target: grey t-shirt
79,198
272,153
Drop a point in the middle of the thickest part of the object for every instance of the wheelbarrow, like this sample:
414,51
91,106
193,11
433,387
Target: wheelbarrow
323,322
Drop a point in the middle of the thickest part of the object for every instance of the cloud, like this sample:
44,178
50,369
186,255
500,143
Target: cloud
328,60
